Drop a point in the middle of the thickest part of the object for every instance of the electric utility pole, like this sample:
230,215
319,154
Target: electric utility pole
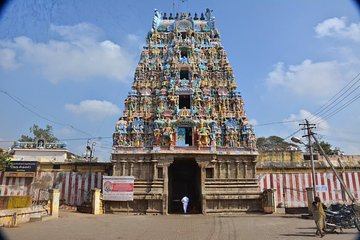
307,126
334,170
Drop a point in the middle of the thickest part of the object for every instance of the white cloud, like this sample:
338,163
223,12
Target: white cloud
309,78
81,31
94,109
133,38
321,124
135,42
7,59
78,56
338,28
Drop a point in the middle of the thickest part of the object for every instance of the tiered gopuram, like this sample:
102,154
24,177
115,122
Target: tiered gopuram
184,130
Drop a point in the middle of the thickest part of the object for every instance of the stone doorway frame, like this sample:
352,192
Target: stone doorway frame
193,192
201,162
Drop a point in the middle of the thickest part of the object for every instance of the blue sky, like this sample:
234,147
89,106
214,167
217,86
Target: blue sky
70,64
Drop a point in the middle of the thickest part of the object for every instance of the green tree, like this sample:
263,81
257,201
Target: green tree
5,159
273,143
39,132
325,146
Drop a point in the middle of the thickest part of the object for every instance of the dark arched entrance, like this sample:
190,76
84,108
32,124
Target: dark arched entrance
184,179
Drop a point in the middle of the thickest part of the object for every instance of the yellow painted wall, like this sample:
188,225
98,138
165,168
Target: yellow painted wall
19,202
279,156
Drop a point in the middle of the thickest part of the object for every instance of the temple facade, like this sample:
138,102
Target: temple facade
184,130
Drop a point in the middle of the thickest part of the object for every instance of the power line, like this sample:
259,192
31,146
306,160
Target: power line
20,102
340,108
333,100
339,139
292,134
347,131
325,114
76,139
280,122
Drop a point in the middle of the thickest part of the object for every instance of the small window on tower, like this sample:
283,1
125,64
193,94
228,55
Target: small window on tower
184,74
183,35
184,101
184,52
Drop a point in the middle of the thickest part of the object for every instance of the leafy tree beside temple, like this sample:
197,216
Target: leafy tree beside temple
273,143
38,132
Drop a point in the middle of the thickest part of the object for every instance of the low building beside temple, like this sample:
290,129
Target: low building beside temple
40,151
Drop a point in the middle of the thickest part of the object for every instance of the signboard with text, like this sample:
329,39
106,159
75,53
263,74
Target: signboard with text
21,169
321,188
118,188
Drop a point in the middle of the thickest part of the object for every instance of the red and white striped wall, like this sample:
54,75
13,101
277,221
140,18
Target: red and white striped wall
74,187
291,187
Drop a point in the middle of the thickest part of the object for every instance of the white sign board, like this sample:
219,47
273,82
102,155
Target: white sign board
118,188
321,188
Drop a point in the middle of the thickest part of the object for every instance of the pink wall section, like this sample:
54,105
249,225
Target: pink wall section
294,186
73,186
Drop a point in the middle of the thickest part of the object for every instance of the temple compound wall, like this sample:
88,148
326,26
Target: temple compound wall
289,174
184,129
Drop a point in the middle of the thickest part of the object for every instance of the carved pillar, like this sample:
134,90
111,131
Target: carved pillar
253,169
131,169
116,169
155,173
202,166
166,188
245,169
141,171
216,172
220,174
122,173
237,173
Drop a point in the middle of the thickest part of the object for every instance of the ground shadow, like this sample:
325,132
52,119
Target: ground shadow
299,234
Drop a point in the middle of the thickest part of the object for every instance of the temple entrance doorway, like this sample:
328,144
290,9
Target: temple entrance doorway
184,180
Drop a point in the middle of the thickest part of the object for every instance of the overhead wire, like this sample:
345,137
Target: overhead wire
280,122
339,139
339,97
20,102
347,131
340,108
334,98
326,113
293,134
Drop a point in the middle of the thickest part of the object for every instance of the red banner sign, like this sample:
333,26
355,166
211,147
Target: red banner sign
118,188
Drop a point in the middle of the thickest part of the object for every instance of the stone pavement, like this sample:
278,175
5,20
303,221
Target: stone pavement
72,225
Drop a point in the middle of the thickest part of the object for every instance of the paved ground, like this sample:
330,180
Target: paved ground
185,227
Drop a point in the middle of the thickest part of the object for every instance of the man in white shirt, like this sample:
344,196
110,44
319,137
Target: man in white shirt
185,202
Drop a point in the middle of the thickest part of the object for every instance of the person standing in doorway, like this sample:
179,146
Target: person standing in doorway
185,202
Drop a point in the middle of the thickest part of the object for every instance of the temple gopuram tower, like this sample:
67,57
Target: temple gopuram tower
184,130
